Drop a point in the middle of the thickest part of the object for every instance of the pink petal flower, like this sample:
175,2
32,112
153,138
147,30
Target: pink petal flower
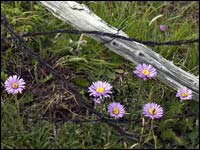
163,28
184,93
152,110
14,84
145,71
116,110
100,89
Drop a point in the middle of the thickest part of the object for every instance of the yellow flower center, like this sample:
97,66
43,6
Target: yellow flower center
15,85
116,111
100,90
152,111
145,72
184,94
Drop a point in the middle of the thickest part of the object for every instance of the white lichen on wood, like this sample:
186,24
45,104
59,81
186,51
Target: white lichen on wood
82,18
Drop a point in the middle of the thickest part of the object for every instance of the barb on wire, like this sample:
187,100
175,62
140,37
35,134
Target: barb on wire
150,43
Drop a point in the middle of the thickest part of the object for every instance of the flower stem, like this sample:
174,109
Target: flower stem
95,106
17,104
142,131
154,137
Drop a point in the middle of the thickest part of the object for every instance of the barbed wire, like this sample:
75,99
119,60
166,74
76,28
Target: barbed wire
18,39
150,43
103,118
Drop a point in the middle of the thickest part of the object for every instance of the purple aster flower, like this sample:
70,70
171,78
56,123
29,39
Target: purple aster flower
184,93
163,28
116,110
145,71
99,89
152,110
14,84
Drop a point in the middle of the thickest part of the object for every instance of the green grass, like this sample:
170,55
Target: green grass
90,61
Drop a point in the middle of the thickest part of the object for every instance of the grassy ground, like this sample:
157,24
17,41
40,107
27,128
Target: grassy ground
89,61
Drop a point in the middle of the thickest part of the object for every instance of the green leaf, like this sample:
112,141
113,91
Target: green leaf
103,62
77,59
120,71
47,78
3,76
111,75
99,72
175,108
165,124
26,98
66,59
168,134
81,82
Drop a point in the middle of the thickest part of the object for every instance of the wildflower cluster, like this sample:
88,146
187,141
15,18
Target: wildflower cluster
101,89
146,71
152,110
